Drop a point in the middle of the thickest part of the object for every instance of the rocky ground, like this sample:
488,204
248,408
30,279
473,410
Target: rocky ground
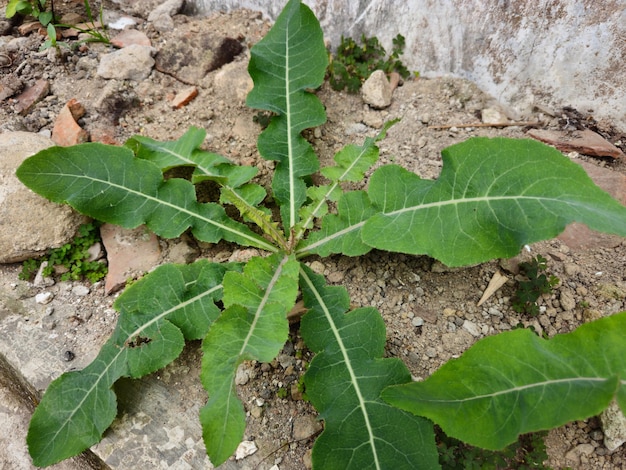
195,74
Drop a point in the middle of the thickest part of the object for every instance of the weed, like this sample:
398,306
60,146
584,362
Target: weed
492,197
72,258
528,292
353,64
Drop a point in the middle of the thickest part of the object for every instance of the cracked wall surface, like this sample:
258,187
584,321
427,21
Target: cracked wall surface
522,52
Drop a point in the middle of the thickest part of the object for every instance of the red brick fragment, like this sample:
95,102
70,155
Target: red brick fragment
31,96
184,97
66,130
586,142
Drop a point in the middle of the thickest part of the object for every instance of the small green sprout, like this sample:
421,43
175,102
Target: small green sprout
353,64
538,283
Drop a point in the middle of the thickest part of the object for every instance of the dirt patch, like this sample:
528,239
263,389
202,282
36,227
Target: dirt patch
430,311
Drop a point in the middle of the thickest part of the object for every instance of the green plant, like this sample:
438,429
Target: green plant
96,34
528,292
492,197
353,64
35,8
528,452
74,257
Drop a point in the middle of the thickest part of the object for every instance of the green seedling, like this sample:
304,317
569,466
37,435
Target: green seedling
538,283
95,34
492,197
353,63
72,258
34,8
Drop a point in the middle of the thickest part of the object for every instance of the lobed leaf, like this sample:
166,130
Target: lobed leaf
287,62
109,184
157,314
492,197
186,152
344,381
253,326
341,232
516,382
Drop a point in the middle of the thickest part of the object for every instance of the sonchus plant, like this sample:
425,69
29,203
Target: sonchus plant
493,196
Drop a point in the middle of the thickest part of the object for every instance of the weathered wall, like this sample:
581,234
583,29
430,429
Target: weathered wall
550,52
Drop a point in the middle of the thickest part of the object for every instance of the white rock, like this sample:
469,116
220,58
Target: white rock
472,328
613,426
242,376
417,321
376,90
245,449
44,298
133,62
493,116
161,16
80,290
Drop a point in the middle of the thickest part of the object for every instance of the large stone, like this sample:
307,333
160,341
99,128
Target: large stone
130,63
29,224
376,90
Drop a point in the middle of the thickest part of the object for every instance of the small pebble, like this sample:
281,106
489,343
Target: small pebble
417,321
68,356
80,290
44,298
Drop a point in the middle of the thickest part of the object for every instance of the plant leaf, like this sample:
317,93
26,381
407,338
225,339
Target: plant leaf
344,381
109,184
493,196
290,59
157,313
352,163
186,152
253,326
341,232
517,382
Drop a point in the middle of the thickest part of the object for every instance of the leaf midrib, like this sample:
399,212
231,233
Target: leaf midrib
124,349
259,241
346,360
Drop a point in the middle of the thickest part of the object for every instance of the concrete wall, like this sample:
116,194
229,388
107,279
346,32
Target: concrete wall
550,52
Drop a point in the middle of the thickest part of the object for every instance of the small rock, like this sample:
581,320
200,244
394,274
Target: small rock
245,449
586,142
242,375
66,130
130,63
10,84
161,16
581,449
356,128
31,96
40,280
567,300
614,426
431,352
94,252
68,356
417,321
376,90
184,97
256,411
472,328
493,116
80,290
336,277
305,427
130,37
44,298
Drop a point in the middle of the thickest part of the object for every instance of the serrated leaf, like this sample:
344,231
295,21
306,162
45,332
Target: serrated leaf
493,196
186,151
253,326
341,232
354,160
157,314
517,382
344,381
109,184
352,163
287,62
